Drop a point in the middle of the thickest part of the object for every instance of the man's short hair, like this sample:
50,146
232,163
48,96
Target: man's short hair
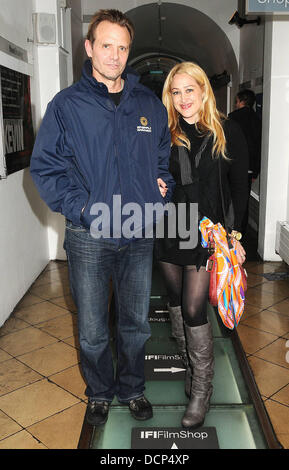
113,16
248,97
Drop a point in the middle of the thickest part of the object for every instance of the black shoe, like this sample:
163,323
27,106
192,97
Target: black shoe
96,412
141,408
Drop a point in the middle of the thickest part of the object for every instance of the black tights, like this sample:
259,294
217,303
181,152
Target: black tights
189,288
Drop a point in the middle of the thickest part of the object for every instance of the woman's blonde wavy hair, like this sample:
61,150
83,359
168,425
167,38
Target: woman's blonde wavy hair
210,118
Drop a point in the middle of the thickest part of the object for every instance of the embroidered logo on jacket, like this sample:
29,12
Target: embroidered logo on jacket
144,125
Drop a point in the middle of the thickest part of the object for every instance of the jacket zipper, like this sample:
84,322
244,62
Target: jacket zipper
114,144
84,182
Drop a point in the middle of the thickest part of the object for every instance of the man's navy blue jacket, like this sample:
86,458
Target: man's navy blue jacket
87,150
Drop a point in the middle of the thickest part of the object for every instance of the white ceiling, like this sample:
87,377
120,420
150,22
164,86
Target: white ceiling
186,33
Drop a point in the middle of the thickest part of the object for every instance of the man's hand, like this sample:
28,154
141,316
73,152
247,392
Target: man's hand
162,187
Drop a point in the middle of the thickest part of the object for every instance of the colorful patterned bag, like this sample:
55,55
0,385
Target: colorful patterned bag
228,280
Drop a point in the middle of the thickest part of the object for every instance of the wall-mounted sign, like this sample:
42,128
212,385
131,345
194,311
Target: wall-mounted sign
18,135
267,7
13,50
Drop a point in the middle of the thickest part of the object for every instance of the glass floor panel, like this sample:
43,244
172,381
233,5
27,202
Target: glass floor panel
228,383
159,315
235,426
232,413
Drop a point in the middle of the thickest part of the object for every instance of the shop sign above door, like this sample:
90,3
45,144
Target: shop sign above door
267,7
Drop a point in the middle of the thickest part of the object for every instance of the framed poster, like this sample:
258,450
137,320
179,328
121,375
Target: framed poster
17,127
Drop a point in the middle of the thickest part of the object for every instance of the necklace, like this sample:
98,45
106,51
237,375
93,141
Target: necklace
121,87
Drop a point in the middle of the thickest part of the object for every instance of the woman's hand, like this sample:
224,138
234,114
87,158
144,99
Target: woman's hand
240,252
162,187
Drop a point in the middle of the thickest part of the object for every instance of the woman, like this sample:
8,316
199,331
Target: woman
203,142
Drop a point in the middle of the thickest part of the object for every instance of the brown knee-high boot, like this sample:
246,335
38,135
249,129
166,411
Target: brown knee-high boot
178,332
201,357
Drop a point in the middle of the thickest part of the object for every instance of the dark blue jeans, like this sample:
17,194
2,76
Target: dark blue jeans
92,263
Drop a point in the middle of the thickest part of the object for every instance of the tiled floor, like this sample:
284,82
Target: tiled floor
42,401
264,333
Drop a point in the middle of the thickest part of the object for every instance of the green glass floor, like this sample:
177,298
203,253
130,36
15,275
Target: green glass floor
232,414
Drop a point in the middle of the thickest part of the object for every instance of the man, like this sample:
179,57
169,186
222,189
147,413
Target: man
103,137
250,124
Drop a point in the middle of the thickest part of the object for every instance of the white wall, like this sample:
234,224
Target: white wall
251,54
77,37
275,142
23,234
54,72
23,239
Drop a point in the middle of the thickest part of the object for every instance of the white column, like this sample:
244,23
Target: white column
275,140
54,73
